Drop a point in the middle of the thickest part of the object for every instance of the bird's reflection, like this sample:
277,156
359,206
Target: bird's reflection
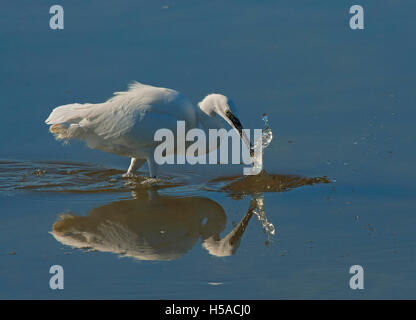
160,227
153,227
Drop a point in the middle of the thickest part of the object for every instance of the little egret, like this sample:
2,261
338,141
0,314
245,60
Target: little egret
126,123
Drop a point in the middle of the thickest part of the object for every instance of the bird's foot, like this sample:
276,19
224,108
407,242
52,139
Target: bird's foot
128,175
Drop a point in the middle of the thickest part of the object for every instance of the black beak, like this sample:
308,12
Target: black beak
239,127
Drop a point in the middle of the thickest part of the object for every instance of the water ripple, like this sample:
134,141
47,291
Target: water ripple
71,177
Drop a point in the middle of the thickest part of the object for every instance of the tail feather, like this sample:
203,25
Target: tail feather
64,120
63,132
69,113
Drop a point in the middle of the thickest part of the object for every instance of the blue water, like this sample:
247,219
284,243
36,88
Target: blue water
340,103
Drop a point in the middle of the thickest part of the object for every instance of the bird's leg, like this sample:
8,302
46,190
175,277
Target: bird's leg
152,167
134,165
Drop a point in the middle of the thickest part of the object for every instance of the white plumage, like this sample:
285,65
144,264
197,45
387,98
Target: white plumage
126,123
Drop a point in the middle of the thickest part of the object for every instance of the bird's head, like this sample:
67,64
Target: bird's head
218,104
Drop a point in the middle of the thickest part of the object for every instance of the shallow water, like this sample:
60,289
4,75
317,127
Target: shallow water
338,186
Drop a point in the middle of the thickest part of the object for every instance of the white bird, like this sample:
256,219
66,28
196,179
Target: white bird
126,123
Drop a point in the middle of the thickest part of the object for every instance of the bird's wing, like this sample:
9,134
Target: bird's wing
139,112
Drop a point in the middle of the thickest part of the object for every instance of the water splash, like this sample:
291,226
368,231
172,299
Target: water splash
267,136
261,143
